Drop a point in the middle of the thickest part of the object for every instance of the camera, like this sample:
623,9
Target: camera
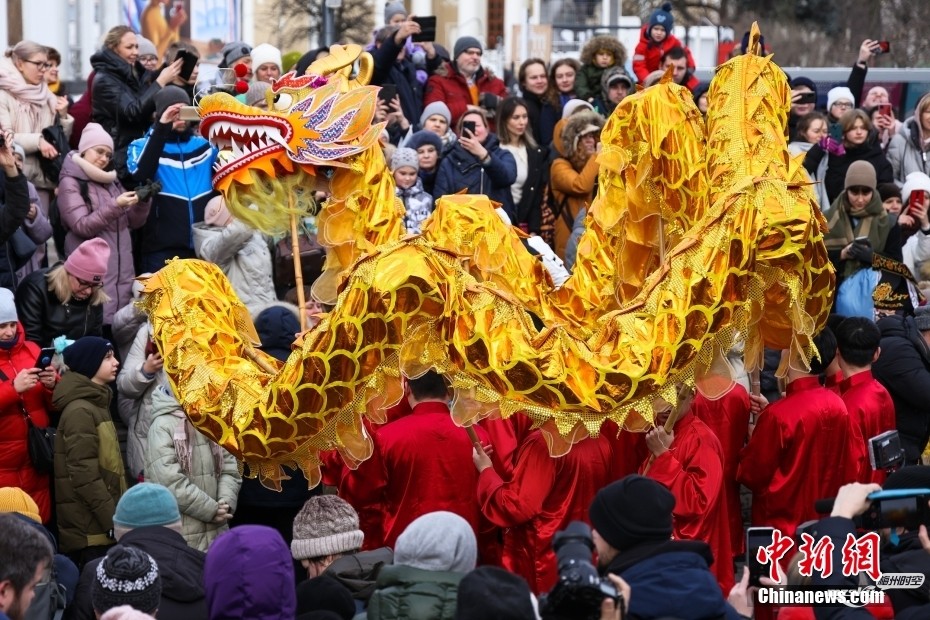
579,591
885,451
907,508
148,189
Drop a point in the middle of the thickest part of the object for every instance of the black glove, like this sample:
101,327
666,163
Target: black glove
488,101
861,252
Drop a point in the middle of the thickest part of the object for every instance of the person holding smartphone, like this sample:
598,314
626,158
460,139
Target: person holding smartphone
478,164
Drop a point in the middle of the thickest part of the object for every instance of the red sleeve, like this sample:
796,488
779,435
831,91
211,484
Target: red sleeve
695,483
9,397
366,485
759,460
516,502
436,91
639,61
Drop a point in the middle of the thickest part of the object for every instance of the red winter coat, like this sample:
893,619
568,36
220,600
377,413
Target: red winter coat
451,87
421,463
728,418
871,410
692,469
544,495
15,468
648,54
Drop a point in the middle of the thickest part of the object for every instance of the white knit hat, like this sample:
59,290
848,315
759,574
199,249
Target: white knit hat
840,93
265,53
326,525
914,181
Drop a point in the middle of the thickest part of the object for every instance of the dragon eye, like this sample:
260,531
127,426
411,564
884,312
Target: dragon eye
282,101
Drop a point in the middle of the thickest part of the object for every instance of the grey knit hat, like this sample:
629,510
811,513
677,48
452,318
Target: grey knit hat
922,318
404,157
326,525
465,43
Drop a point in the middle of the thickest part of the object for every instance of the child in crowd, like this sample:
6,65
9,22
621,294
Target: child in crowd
655,39
428,147
437,118
417,203
597,55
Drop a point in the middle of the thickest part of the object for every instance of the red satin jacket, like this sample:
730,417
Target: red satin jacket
542,497
798,453
871,409
728,418
692,469
421,463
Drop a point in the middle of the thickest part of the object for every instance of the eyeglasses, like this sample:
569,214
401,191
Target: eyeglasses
85,284
40,64
148,58
843,104
859,190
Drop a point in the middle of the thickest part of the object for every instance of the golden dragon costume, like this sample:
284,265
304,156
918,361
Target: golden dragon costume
700,234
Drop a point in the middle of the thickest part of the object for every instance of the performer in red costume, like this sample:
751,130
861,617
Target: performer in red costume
728,418
689,461
544,495
798,451
869,404
421,463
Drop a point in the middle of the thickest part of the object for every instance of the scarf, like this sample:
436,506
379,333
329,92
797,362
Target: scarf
184,435
95,174
30,98
872,222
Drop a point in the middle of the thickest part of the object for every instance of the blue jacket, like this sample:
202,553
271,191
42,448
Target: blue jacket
183,164
672,579
461,170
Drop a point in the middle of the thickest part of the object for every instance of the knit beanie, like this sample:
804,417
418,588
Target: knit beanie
89,260
86,354
265,53
256,93
232,52
492,592
438,541
146,47
437,107
127,576
632,510
276,326
394,8
146,504
914,181
7,307
19,150
662,17
860,174
216,213
573,105
324,593
405,157
167,97
889,190
913,476
94,135
14,499
839,93
465,43
326,525
922,320
804,81
422,138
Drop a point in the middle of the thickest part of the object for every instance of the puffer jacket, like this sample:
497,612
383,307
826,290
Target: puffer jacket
14,206
906,153
27,120
418,205
359,572
89,475
451,87
243,255
122,102
461,170
16,469
198,490
647,57
101,218
407,593
572,190
135,399
588,80
45,318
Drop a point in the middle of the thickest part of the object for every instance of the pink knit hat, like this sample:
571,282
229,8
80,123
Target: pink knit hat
216,213
89,260
94,135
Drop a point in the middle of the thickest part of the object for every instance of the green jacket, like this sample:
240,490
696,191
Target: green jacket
407,593
89,475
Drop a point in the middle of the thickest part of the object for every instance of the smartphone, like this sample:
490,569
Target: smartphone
836,132
917,200
150,348
885,109
757,537
470,127
387,92
190,61
45,358
427,29
884,47
807,97
189,113
863,240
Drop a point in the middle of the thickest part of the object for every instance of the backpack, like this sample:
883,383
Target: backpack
59,231
49,600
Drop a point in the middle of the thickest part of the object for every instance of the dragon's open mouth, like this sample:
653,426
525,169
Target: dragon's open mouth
243,139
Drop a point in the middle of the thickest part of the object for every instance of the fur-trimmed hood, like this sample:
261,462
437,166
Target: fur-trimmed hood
605,42
575,126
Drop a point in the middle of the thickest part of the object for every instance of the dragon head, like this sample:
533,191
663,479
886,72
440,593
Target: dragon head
313,122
